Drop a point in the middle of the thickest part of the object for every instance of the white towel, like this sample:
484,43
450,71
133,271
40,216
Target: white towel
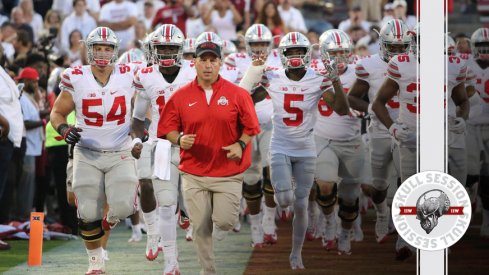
162,159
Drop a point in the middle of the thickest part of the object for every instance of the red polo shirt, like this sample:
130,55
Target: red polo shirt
219,123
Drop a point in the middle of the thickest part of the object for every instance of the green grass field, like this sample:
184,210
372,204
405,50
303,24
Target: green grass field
19,251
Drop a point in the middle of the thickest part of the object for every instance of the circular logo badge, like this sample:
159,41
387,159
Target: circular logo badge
431,210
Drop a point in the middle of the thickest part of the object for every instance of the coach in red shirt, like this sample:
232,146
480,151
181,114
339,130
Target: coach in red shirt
212,120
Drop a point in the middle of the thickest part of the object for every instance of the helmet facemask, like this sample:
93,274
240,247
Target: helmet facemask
295,61
389,50
481,51
101,58
258,49
339,57
168,55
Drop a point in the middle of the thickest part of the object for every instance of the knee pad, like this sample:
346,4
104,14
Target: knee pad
284,198
252,192
348,213
86,227
471,180
379,196
326,201
267,187
484,191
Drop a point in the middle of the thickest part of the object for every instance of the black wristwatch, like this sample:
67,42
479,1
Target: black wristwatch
242,144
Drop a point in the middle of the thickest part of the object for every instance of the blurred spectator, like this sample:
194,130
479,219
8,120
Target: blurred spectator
356,33
40,63
148,13
371,40
292,17
194,24
78,20
31,17
355,19
22,45
371,9
52,20
314,39
120,16
34,136
140,30
223,18
270,17
400,9
361,50
74,49
244,7
174,12
3,19
18,20
154,4
7,37
42,6
388,14
65,7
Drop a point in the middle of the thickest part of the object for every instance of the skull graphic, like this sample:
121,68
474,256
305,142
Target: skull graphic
430,206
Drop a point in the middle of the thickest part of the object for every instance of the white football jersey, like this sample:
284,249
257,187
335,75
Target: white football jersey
294,111
230,73
317,65
402,69
329,124
481,85
373,70
242,61
103,113
456,73
152,86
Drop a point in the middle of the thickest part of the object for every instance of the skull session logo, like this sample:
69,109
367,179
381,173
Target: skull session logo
431,210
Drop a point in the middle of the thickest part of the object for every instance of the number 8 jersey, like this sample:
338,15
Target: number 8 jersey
103,113
294,111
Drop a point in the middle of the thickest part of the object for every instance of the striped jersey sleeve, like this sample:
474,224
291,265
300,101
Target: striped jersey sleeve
470,77
65,82
462,74
327,85
137,82
230,60
393,70
361,72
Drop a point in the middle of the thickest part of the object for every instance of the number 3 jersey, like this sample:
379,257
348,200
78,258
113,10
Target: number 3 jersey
103,113
329,124
154,88
294,111
402,69
373,70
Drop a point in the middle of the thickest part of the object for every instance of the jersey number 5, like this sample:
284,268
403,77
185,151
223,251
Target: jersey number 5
299,114
97,119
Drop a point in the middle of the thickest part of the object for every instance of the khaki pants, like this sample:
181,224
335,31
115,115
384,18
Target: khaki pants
210,200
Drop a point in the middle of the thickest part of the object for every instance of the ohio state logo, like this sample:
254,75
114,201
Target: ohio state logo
431,210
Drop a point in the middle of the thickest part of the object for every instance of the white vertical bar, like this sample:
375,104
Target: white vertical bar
431,121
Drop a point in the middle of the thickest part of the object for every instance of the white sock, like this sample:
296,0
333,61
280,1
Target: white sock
381,207
168,230
97,252
255,220
345,232
136,229
269,213
299,226
151,220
